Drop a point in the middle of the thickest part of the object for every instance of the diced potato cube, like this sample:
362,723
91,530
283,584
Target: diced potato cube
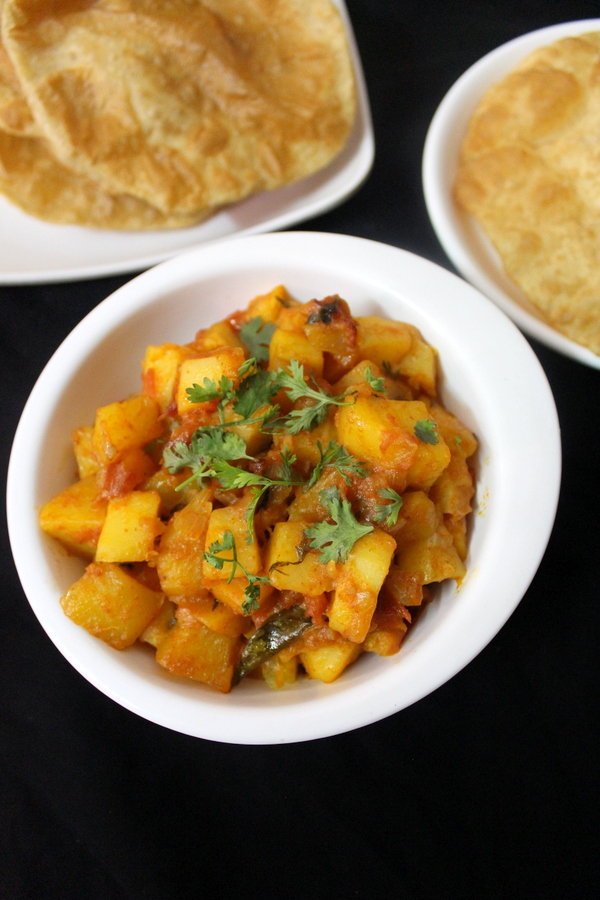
403,588
356,377
384,642
430,459
383,341
458,530
75,517
269,306
291,566
232,593
279,673
160,626
388,626
192,650
223,363
419,516
221,334
127,471
461,441
294,318
252,435
120,426
111,605
375,431
233,519
328,662
382,432
179,561
434,558
160,371
453,491
331,328
288,345
401,347
358,585
419,366
305,444
87,462
307,505
216,616
130,529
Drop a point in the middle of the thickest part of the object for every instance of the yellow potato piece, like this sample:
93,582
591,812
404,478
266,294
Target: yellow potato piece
179,561
358,585
75,517
223,363
121,426
292,567
111,605
192,650
327,663
131,528
231,519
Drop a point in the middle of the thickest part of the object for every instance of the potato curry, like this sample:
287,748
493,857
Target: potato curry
274,502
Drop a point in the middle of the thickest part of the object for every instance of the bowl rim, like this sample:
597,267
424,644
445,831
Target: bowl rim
449,224
436,294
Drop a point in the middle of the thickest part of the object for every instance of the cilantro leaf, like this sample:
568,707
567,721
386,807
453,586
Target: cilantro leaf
179,457
252,591
387,514
219,445
211,390
306,419
337,457
254,392
287,461
425,431
232,478
256,335
217,562
251,598
376,383
335,541
205,449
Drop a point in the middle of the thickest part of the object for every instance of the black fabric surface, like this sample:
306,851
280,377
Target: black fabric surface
486,788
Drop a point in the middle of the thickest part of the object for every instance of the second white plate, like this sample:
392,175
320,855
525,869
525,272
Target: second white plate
463,240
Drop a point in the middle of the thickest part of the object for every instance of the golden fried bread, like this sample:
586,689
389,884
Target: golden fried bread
187,104
15,115
36,182
529,171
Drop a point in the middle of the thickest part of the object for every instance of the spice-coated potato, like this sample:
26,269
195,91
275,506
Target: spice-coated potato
111,605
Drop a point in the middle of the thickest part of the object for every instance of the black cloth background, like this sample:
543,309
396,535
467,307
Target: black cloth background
486,788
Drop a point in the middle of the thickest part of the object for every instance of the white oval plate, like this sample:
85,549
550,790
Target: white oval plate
462,238
32,251
510,407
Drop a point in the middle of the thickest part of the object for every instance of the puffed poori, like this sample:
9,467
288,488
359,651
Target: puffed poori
133,114
529,171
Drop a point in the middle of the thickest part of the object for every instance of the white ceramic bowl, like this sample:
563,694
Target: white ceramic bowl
491,379
459,234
